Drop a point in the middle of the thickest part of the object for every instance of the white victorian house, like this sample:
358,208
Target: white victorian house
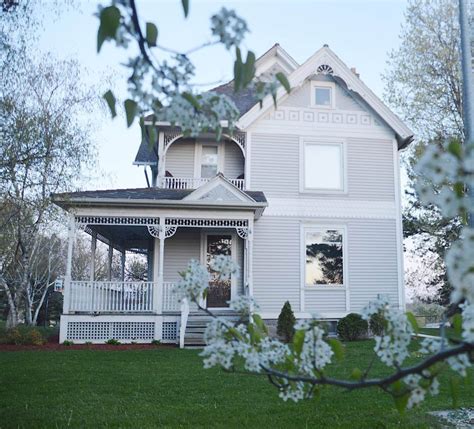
305,197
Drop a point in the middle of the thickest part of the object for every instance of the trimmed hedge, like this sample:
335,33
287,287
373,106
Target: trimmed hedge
352,327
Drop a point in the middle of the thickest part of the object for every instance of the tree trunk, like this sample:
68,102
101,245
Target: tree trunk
12,318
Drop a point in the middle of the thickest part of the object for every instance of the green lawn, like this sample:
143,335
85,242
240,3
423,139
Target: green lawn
169,387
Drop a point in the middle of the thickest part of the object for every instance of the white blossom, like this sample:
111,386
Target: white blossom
459,363
244,305
225,266
193,282
228,27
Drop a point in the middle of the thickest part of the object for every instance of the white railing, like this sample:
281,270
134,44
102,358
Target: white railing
192,183
171,300
112,296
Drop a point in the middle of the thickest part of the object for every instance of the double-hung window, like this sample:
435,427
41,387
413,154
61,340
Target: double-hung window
209,161
324,256
323,166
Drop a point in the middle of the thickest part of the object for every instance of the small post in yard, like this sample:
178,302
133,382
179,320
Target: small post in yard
467,37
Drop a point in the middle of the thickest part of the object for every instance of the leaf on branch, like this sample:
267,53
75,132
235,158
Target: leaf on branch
455,148
152,136
191,99
109,24
298,341
356,374
337,348
259,323
412,319
284,81
185,4
110,99
248,69
130,111
401,402
151,34
457,323
238,70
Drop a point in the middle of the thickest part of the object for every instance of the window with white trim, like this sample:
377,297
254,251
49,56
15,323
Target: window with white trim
324,256
209,161
323,166
323,94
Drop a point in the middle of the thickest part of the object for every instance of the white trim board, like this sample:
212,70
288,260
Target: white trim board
330,208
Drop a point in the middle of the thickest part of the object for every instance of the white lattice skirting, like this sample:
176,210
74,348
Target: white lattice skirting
101,329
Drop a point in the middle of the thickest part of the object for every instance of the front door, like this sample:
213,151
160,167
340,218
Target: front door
220,291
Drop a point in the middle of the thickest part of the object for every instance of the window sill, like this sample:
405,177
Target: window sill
325,287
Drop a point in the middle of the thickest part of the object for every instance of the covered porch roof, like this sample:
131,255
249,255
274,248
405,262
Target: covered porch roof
127,219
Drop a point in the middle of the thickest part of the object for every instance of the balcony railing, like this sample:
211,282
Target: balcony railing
120,297
192,183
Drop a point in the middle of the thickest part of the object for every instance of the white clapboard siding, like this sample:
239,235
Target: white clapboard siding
320,301
276,168
276,266
233,161
275,164
372,261
180,158
371,256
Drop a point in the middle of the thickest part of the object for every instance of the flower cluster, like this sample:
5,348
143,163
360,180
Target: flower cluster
244,305
193,282
228,27
419,385
392,346
225,266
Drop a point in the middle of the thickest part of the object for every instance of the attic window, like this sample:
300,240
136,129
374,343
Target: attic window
325,69
323,94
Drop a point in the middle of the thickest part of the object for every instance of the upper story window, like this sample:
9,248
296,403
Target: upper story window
323,168
324,256
323,94
209,161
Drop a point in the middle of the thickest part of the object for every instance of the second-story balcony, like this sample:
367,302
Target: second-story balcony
192,183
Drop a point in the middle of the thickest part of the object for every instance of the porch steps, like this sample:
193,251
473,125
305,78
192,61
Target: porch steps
196,326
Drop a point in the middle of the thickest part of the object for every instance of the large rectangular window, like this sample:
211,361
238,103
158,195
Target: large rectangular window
324,261
323,166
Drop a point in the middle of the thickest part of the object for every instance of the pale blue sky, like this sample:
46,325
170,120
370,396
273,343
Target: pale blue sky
360,32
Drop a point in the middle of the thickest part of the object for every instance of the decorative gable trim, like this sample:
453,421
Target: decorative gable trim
326,59
219,189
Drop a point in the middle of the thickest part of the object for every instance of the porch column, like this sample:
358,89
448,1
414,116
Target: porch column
250,257
93,249
161,160
67,277
122,265
109,264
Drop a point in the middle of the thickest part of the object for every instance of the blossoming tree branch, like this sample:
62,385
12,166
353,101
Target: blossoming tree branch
298,369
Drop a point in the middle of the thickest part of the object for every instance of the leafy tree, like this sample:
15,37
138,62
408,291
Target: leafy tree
44,148
286,322
423,83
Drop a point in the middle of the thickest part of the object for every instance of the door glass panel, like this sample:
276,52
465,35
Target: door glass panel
209,159
219,290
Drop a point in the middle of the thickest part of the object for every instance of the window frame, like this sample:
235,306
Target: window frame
343,164
305,228
323,84
198,157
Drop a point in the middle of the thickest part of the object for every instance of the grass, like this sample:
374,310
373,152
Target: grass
170,388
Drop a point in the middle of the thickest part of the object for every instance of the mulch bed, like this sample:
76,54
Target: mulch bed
61,347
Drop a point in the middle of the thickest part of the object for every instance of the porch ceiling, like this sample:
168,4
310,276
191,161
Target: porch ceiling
124,236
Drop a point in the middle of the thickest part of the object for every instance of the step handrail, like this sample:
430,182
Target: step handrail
183,322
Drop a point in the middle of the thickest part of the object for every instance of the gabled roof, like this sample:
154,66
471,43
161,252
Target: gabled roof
327,57
250,110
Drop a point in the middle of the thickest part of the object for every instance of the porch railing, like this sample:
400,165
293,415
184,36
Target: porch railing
118,296
192,183
171,300
111,296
